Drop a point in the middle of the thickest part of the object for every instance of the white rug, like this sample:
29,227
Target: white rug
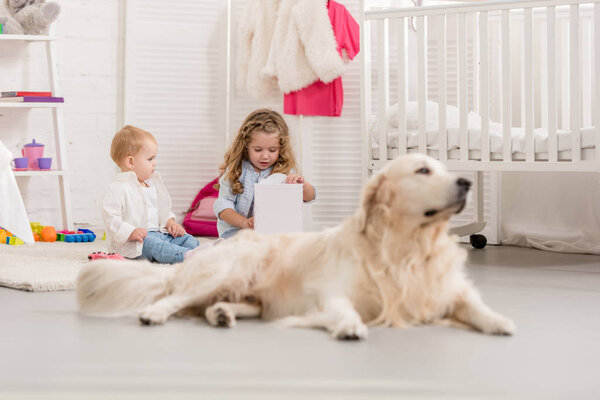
44,267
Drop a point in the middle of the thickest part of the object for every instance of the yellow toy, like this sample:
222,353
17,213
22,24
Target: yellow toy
43,233
8,238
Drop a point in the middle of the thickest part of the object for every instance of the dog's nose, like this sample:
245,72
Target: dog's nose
463,184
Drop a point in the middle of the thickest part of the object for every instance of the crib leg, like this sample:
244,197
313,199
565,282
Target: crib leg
478,191
477,240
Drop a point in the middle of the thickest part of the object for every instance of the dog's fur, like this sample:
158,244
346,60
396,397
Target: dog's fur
392,263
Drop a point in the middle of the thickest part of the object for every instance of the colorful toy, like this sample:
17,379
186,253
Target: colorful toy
100,255
8,238
43,233
49,234
82,235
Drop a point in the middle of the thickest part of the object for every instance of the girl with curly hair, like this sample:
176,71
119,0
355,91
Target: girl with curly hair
262,147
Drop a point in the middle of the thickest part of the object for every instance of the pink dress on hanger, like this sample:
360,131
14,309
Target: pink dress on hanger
327,99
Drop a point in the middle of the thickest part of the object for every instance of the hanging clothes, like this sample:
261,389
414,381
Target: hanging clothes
255,33
303,49
327,99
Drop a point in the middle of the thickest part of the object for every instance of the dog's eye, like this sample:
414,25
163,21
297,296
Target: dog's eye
424,171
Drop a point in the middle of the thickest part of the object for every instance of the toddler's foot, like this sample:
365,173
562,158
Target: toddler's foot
100,255
203,246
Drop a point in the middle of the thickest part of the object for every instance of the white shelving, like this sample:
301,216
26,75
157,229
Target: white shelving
29,38
52,172
29,105
60,161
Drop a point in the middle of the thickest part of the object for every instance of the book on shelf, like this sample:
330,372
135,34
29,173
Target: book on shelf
32,99
21,94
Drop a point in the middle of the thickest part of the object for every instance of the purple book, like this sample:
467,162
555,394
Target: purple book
32,99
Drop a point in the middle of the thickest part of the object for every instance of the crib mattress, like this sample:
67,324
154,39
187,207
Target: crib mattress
565,155
496,133
518,140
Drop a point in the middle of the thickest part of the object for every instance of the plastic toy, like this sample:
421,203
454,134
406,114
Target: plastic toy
48,234
100,255
8,238
82,235
43,233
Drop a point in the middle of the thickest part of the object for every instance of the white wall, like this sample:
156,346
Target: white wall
90,78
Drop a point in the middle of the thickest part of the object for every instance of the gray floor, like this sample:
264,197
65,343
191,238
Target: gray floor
49,351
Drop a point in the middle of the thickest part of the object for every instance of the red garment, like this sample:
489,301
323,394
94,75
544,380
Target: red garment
327,99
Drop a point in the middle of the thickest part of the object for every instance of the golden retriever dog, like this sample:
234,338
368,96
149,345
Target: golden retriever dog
392,263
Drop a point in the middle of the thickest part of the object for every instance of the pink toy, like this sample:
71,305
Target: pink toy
33,151
100,255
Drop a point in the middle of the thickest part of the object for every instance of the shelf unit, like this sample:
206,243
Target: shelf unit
60,160
30,105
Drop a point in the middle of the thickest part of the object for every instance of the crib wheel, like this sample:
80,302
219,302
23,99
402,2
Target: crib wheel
478,241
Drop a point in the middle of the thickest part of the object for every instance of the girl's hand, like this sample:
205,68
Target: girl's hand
294,178
175,229
248,223
138,235
308,191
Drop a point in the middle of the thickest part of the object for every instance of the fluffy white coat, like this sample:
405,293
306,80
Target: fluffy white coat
392,263
255,32
288,42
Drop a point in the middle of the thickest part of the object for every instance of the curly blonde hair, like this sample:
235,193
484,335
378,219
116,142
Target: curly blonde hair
264,120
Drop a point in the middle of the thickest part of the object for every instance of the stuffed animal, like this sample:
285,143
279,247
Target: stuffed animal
29,17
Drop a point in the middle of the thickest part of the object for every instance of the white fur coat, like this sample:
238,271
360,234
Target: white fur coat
300,50
254,40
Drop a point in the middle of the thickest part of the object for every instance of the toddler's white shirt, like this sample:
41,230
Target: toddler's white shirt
152,201
125,207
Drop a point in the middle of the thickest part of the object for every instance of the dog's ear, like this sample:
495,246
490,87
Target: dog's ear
378,193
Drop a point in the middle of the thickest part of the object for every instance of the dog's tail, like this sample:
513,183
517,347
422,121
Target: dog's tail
114,287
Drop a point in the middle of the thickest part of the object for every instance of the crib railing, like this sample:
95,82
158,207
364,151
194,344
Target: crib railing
504,14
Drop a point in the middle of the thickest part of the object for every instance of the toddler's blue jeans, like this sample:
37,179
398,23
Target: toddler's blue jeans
166,249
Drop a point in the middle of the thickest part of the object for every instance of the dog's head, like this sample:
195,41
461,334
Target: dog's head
415,189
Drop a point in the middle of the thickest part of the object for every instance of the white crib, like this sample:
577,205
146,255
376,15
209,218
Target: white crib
467,98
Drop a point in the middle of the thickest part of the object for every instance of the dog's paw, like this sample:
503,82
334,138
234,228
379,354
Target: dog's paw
350,330
220,315
149,317
499,325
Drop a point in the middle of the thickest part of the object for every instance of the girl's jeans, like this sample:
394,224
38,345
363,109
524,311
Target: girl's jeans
166,249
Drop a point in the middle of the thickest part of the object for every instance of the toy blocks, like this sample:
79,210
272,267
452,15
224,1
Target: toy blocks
43,233
49,234
82,235
8,238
